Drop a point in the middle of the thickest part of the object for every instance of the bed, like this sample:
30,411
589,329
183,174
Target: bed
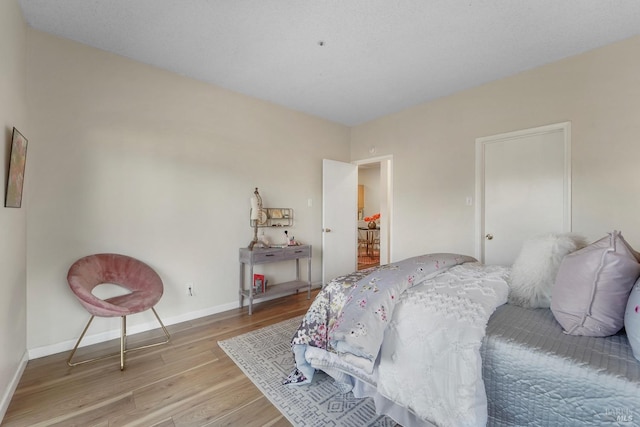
433,341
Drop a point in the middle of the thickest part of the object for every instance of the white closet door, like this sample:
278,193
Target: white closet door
525,189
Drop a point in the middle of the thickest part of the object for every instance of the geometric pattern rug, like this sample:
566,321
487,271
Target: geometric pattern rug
265,357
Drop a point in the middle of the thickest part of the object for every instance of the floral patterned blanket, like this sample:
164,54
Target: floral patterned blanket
349,316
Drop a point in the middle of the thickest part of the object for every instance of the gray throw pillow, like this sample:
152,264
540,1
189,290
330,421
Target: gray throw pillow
592,286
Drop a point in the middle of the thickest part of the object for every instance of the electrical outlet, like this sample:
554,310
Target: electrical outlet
190,289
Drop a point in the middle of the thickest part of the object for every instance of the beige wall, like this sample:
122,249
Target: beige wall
433,146
128,158
13,112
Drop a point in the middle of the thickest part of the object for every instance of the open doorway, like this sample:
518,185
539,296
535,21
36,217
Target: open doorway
368,215
374,212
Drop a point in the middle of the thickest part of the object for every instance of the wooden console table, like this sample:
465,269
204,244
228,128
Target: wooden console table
268,255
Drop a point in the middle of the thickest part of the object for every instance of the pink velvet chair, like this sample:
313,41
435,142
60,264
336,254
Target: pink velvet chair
143,283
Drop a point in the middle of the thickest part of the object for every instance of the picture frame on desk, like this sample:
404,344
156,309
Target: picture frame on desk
259,284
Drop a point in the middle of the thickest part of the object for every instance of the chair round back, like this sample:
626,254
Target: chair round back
144,284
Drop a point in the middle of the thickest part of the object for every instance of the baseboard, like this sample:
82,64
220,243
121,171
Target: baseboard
35,353
13,385
48,350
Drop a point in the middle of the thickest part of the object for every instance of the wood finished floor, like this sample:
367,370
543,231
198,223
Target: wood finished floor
366,261
188,382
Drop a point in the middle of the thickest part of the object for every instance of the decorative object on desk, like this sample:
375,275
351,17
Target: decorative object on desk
17,162
272,217
371,220
276,213
264,242
256,215
259,284
261,217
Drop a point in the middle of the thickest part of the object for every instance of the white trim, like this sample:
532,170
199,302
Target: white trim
47,350
12,386
481,143
479,214
373,160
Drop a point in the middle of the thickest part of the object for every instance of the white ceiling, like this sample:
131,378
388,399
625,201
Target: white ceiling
348,61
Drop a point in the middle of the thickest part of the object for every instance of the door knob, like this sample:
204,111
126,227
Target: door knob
326,230
489,236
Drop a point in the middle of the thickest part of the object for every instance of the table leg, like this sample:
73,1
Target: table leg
250,289
309,277
241,288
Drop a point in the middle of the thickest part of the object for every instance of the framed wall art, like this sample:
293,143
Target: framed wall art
17,162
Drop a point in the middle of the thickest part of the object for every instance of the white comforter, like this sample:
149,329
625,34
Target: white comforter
430,358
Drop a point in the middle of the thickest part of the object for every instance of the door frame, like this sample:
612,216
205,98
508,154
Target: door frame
482,142
386,204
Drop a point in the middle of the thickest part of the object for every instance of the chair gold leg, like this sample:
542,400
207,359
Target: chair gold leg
123,343
73,352
166,334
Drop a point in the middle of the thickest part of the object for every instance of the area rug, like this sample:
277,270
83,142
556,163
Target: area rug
265,357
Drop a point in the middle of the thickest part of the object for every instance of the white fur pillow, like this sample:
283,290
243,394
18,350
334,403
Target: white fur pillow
534,271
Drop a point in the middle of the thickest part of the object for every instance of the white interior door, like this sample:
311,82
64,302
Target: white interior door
339,213
525,189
